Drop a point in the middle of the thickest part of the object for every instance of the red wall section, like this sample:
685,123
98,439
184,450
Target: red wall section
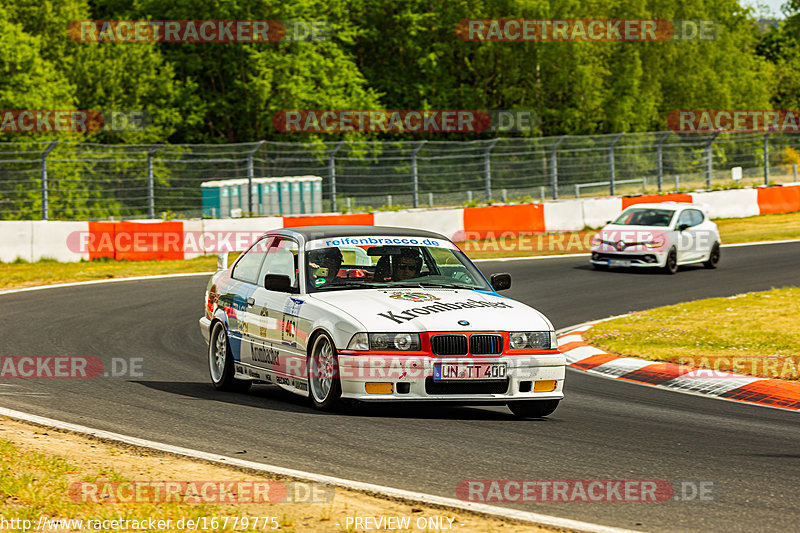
779,199
101,239
136,241
357,219
654,198
482,222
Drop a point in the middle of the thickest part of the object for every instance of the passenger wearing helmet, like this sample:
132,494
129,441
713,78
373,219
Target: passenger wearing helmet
407,265
324,265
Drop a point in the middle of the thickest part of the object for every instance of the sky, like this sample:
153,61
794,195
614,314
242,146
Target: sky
773,6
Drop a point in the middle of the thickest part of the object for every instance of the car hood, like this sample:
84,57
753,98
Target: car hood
392,310
614,232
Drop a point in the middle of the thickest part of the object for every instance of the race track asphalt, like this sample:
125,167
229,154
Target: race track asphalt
604,429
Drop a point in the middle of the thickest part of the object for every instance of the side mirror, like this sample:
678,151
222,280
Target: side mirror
222,260
501,281
683,227
278,283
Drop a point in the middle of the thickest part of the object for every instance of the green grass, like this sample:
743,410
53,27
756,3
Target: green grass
753,334
33,485
47,271
24,274
760,228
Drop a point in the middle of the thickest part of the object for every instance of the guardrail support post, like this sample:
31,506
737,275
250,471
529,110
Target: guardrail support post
250,173
660,159
554,167
766,158
332,174
487,168
47,150
151,202
415,175
612,185
709,160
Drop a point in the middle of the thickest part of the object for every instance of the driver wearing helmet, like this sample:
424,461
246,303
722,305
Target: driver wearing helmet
324,265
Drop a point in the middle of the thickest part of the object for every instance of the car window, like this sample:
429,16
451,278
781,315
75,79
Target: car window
247,267
645,217
403,262
281,258
689,217
697,217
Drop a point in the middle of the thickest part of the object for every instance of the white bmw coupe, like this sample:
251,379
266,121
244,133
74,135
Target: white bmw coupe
376,314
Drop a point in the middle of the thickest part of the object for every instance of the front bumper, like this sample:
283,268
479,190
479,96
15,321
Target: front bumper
647,259
205,328
412,378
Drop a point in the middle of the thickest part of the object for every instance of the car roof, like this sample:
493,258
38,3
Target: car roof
666,205
326,232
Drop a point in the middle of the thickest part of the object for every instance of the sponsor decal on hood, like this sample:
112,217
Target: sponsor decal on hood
378,310
411,314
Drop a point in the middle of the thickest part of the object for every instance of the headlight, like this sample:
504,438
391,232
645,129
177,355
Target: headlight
596,240
359,342
402,342
529,340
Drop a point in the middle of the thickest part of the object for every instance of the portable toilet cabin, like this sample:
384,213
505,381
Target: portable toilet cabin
291,195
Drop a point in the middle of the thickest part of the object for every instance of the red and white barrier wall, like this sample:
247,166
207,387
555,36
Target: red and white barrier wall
73,241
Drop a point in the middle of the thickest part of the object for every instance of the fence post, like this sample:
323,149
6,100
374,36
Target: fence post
332,174
709,160
660,159
766,158
611,185
250,173
415,175
44,178
151,201
794,171
554,166
487,168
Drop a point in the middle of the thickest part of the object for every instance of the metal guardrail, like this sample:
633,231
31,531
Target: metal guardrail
69,180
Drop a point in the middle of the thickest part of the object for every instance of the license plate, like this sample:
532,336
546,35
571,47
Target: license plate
463,371
619,263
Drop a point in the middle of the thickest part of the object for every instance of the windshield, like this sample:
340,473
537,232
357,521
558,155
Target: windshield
366,262
645,217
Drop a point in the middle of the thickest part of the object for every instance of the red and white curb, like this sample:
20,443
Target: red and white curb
681,378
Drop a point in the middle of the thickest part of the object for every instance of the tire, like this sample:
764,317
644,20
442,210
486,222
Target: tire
671,265
713,257
220,362
533,408
322,369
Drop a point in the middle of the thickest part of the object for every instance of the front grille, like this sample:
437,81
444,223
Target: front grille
485,344
597,256
449,344
466,387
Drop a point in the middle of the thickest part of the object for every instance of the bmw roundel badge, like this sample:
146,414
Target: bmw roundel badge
463,323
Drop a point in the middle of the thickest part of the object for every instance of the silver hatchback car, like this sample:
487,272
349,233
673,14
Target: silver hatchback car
663,235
